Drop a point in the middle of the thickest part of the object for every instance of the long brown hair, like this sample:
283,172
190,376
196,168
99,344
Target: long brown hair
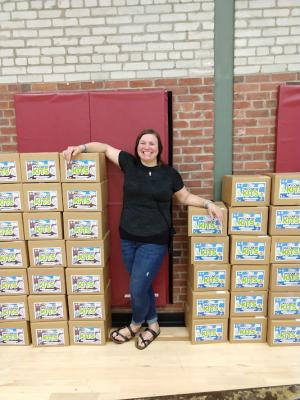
160,146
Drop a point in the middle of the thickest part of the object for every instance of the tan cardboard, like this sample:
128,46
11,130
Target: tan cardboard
285,188
248,330
13,255
285,250
209,277
10,171
11,226
250,249
40,167
284,305
87,253
43,197
209,250
285,277
54,333
47,253
47,308
283,332
13,308
85,167
44,225
85,196
201,224
85,225
248,304
249,277
86,280
246,190
89,332
284,220
11,198
14,333
46,280
210,304
247,220
13,282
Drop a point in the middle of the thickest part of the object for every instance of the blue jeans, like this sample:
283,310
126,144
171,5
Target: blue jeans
142,262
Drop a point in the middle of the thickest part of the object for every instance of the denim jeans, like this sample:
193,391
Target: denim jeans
142,262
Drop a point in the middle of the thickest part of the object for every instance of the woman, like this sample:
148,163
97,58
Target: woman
149,186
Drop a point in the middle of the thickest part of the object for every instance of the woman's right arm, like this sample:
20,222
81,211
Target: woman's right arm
93,147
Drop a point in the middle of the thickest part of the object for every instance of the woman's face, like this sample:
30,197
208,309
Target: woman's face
148,149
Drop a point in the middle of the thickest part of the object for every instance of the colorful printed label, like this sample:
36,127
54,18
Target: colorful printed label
10,257
287,305
12,311
209,332
246,222
288,277
82,199
289,189
85,283
12,285
249,279
83,229
250,191
45,310
204,224
211,279
50,337
41,170
287,219
250,251
12,336
46,284
210,307
43,228
287,251
286,334
209,252
8,171
87,309
86,255
247,331
81,170
10,201
246,304
47,256
42,200
9,230
87,335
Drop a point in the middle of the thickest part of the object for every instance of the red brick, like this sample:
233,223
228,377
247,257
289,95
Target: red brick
43,87
141,84
116,84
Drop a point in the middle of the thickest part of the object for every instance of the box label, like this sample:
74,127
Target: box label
85,283
250,191
249,279
287,219
211,279
250,251
87,309
43,228
246,222
12,285
82,199
287,305
246,304
12,336
210,307
87,334
209,332
40,170
289,189
15,311
10,257
206,225
42,200
208,252
10,201
83,229
8,171
288,277
46,310
9,230
286,334
86,255
81,170
287,251
47,256
50,337
247,331
46,284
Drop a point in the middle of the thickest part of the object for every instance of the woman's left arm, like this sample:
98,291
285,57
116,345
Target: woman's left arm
186,198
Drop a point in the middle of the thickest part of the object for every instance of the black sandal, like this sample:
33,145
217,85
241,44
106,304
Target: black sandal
126,338
146,342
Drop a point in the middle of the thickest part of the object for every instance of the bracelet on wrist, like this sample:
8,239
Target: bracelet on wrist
207,203
84,148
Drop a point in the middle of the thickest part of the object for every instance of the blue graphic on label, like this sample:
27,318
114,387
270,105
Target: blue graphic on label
245,304
82,199
83,228
247,331
287,305
48,310
42,200
47,255
46,284
85,283
10,257
10,201
41,228
249,279
288,277
12,311
86,255
289,189
9,230
205,224
8,171
38,170
50,337
81,170
250,250
287,219
250,191
87,334
211,279
287,251
210,307
208,251
87,309
12,284
12,336
246,222
208,332
286,334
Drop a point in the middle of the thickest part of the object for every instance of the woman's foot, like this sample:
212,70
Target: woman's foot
124,334
147,337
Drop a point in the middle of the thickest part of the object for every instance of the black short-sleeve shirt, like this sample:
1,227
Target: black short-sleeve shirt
147,194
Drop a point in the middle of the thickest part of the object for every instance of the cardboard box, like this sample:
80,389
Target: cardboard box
89,332
10,171
39,226
85,196
85,225
11,198
42,197
14,333
209,277
13,255
47,308
210,304
248,304
248,330
87,253
285,277
40,167
46,280
11,226
284,220
13,282
285,188
86,280
246,190
284,305
201,224
47,253
13,308
285,249
249,277
209,250
250,249
54,333
284,332
85,167
248,220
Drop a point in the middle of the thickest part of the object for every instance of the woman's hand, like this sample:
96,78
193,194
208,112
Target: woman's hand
215,212
72,151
